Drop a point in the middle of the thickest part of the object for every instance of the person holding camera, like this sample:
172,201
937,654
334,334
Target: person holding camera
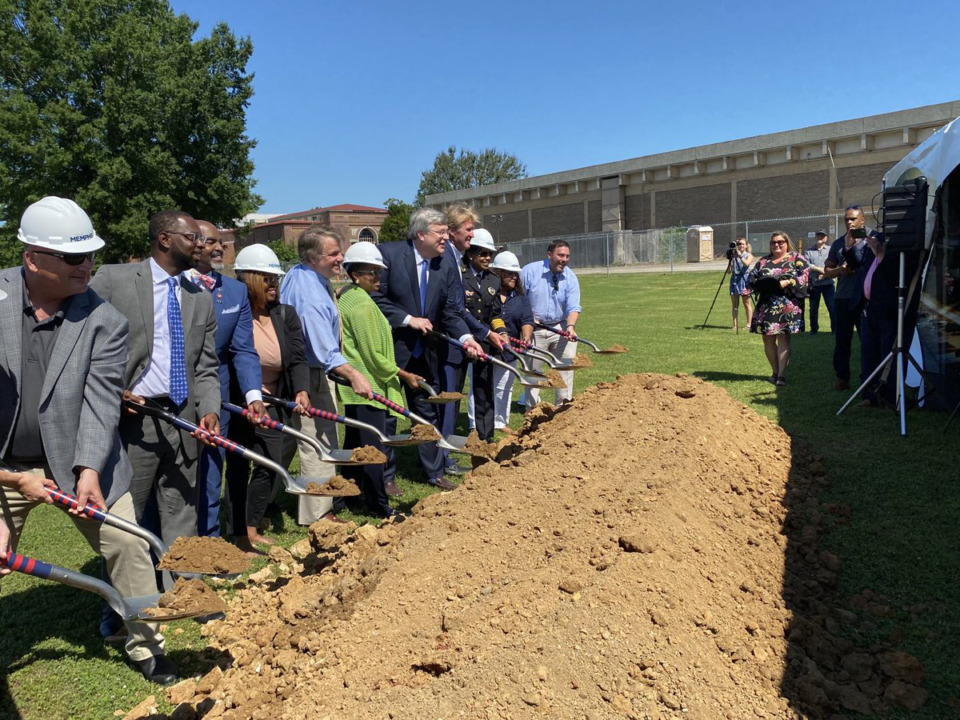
847,256
780,280
740,259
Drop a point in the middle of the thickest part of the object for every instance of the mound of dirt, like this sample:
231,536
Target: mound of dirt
337,486
211,555
368,453
424,432
623,559
188,596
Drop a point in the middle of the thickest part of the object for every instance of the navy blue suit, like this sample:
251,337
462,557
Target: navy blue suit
453,364
399,296
238,358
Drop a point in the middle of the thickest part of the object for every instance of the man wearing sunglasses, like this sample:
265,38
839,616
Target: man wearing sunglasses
555,297
173,363
61,378
848,259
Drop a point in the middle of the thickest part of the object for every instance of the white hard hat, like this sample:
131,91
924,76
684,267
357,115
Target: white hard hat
363,253
59,224
3,295
483,239
506,261
258,258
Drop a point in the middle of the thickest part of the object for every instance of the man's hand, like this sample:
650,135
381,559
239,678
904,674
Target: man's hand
211,423
361,386
303,402
410,378
421,324
34,488
257,410
88,491
572,331
495,339
127,395
4,546
472,348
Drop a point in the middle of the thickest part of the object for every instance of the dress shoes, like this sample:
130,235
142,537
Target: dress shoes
841,385
158,669
330,517
443,484
393,490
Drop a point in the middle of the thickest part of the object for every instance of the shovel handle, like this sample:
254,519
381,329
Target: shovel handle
263,420
453,341
376,396
217,440
70,502
311,411
524,344
561,333
27,565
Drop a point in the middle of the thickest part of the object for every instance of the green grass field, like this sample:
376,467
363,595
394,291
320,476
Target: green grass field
901,540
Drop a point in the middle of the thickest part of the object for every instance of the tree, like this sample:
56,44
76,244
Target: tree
114,104
397,221
457,171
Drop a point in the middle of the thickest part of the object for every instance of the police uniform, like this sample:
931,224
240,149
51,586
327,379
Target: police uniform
482,300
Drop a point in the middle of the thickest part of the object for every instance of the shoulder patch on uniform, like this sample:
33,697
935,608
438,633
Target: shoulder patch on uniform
491,291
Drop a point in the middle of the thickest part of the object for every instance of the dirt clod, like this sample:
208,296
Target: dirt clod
337,486
368,453
424,432
188,596
211,555
476,446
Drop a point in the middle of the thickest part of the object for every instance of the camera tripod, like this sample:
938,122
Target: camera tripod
899,354
719,288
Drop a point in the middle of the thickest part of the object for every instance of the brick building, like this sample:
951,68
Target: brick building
353,222
811,171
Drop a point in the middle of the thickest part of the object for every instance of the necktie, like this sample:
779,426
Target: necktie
178,365
418,346
204,281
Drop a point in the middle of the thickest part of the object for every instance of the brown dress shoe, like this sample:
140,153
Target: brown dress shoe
443,484
841,385
393,490
332,518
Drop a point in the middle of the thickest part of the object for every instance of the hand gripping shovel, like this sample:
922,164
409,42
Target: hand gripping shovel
133,609
483,357
335,456
392,440
576,338
294,487
453,443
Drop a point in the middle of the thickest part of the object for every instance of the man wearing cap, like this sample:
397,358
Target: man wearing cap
554,293
172,364
61,376
239,364
453,364
820,286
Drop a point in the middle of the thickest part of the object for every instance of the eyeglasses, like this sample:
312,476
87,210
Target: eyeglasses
441,233
271,280
484,253
778,242
70,258
364,272
191,237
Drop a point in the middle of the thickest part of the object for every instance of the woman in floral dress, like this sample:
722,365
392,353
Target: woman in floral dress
780,280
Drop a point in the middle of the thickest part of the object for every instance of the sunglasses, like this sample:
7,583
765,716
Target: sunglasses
778,242
484,253
555,281
70,258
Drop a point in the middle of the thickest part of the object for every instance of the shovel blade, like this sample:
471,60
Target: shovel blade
136,610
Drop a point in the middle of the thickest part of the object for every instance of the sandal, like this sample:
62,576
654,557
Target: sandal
772,379
781,381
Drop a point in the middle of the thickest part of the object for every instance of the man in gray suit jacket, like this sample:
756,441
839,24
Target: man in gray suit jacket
168,316
61,381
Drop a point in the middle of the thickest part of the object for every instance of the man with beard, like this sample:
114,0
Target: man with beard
239,366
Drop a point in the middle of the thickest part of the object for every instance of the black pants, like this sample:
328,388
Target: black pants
372,479
817,292
483,399
452,377
878,335
846,317
250,491
431,456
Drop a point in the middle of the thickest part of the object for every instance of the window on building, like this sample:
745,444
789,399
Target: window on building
367,234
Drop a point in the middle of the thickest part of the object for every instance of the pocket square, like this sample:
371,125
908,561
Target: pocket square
231,309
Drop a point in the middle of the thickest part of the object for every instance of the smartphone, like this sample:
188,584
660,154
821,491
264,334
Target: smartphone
858,232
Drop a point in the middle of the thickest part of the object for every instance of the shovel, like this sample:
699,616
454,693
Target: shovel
548,357
294,487
336,456
434,397
391,440
453,443
524,379
129,609
577,338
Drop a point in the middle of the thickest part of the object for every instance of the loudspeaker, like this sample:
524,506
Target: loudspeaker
905,215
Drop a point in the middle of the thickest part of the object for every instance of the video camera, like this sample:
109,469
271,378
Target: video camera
731,251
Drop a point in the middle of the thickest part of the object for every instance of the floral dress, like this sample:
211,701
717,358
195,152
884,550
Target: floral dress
780,313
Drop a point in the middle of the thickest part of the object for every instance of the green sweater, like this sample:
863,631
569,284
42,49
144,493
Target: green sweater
368,347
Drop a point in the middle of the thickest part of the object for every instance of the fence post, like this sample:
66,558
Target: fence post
606,251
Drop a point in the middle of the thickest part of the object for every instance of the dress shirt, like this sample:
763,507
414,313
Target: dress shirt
818,256
311,294
155,381
418,261
550,307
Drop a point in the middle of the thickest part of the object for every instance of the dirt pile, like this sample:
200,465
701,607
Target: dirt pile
623,559
211,555
337,486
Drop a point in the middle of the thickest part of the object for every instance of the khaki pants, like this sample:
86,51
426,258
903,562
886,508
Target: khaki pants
323,397
127,557
562,348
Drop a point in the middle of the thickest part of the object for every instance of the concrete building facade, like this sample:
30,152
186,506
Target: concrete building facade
817,170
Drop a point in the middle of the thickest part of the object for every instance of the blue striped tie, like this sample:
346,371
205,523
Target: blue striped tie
178,365
418,346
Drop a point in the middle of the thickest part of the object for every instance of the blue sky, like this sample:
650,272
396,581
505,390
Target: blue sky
354,100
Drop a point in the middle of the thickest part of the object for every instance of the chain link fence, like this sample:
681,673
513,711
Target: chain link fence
669,246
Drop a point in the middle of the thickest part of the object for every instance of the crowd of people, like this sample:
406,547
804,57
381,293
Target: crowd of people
84,354
864,300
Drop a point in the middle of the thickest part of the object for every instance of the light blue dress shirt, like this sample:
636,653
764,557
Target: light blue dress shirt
550,306
310,293
155,381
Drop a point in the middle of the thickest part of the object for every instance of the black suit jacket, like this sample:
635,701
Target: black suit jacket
399,296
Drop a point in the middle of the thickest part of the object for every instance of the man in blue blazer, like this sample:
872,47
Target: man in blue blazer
418,292
238,359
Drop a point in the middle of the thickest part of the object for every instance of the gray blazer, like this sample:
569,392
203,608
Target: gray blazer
80,401
129,288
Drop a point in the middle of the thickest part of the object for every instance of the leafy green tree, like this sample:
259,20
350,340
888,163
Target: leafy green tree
397,221
454,170
286,252
114,104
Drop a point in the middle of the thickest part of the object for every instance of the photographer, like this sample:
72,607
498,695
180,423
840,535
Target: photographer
739,266
848,255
